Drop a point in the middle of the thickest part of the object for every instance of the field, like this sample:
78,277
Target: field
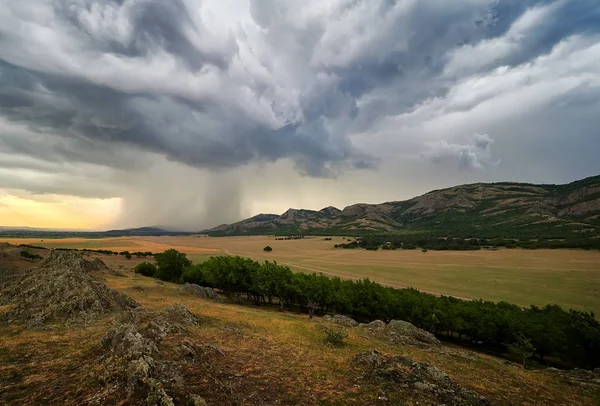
570,278
293,365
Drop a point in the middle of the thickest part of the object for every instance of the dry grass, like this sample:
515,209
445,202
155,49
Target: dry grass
265,355
287,351
570,278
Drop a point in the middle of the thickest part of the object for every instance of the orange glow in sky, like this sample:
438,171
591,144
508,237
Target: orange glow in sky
57,211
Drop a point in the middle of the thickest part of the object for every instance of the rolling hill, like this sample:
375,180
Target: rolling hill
480,209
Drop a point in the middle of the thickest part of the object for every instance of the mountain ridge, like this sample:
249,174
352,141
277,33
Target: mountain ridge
507,207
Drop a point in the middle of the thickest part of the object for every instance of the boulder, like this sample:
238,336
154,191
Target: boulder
341,320
374,326
404,332
201,291
424,381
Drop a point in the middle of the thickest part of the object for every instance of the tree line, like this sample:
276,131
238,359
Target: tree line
573,337
127,254
411,242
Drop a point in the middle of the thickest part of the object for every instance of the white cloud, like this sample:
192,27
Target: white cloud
476,153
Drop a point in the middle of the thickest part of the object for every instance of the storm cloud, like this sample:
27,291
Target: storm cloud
175,106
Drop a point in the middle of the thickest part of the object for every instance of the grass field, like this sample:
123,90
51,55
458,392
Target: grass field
263,353
570,278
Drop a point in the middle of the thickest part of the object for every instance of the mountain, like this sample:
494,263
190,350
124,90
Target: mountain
27,232
480,209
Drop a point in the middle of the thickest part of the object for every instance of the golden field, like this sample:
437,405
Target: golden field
570,278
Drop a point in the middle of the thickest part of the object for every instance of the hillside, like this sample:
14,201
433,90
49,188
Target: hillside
480,209
161,344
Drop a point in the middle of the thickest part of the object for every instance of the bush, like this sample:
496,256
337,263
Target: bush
194,274
335,337
128,255
146,269
170,265
268,249
424,250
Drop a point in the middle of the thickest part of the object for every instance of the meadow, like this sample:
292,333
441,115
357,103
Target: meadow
570,278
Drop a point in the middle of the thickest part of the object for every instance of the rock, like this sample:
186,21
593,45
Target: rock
201,291
127,342
403,332
581,377
368,358
340,320
424,380
61,288
374,326
157,395
188,349
178,316
134,353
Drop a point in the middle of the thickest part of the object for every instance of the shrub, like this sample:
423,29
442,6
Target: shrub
146,269
170,265
335,337
424,250
194,274
128,255
268,248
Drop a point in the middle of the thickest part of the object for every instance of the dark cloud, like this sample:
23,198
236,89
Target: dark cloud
218,85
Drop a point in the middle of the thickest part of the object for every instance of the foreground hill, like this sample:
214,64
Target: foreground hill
480,209
170,347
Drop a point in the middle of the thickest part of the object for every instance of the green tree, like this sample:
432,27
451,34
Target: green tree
523,348
170,265
268,248
194,274
145,269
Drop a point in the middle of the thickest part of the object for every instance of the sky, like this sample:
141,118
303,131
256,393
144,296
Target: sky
193,113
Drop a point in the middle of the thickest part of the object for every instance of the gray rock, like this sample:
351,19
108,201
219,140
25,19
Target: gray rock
406,333
133,353
425,380
374,326
126,342
201,291
341,320
62,289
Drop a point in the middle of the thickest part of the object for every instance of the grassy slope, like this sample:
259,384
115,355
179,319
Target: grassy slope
278,355
570,278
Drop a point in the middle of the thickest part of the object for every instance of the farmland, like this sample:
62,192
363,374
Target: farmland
570,278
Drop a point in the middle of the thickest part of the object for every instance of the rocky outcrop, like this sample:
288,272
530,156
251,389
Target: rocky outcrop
134,355
62,289
376,326
424,382
403,332
201,291
400,332
584,378
340,320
